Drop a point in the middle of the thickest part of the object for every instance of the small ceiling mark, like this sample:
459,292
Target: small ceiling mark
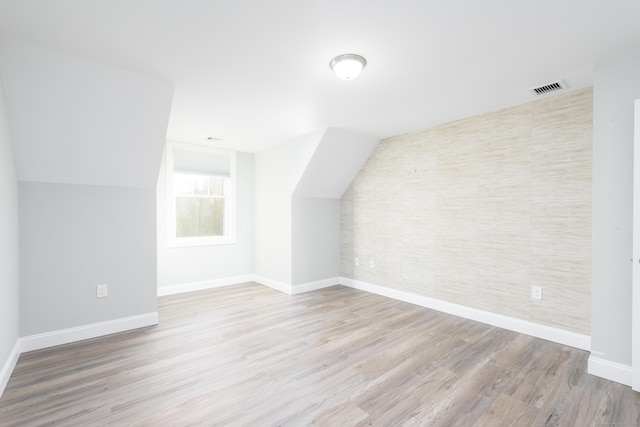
548,88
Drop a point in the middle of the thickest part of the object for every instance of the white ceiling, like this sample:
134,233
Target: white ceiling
256,73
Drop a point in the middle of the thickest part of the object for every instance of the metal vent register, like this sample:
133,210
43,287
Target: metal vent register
548,88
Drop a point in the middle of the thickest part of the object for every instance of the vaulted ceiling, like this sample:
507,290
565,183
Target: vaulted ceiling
256,73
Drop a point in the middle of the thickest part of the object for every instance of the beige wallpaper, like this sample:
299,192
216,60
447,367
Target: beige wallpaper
477,211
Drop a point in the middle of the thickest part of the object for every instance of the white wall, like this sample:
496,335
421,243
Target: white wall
187,265
9,313
277,173
87,139
74,237
298,190
315,208
616,86
315,239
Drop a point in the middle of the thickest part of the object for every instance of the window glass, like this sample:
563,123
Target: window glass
200,195
199,205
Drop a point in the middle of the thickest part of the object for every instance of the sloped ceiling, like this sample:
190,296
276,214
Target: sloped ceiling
336,161
76,121
256,73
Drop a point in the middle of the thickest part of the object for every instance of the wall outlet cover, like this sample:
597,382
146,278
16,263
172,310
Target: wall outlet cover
536,292
102,290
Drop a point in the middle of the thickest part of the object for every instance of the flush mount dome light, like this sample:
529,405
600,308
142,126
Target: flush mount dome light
348,66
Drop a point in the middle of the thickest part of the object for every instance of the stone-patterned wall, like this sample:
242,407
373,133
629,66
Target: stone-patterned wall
477,211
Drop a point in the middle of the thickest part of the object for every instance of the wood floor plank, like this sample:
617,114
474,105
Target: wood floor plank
618,407
247,355
483,386
508,412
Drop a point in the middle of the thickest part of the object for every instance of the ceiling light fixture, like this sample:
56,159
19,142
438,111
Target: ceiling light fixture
348,66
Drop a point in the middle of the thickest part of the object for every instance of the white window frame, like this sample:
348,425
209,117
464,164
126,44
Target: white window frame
229,233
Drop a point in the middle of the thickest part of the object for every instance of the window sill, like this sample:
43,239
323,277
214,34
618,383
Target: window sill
193,242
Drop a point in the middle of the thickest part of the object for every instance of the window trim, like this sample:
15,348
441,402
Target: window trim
229,236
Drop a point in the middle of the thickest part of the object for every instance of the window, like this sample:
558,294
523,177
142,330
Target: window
200,195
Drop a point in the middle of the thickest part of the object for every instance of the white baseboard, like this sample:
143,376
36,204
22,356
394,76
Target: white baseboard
608,370
205,284
312,286
9,365
549,333
274,284
93,330
296,289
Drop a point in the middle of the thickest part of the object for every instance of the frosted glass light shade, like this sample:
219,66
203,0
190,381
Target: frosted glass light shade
348,66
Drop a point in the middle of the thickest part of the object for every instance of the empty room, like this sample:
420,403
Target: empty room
291,213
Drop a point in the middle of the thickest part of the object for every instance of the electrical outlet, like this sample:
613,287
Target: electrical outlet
102,290
372,264
536,292
356,262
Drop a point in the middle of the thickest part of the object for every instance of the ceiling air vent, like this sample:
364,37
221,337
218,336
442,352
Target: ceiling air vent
548,88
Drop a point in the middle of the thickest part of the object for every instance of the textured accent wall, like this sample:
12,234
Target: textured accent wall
477,211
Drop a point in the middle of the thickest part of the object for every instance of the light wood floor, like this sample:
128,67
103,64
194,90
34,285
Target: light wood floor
247,355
